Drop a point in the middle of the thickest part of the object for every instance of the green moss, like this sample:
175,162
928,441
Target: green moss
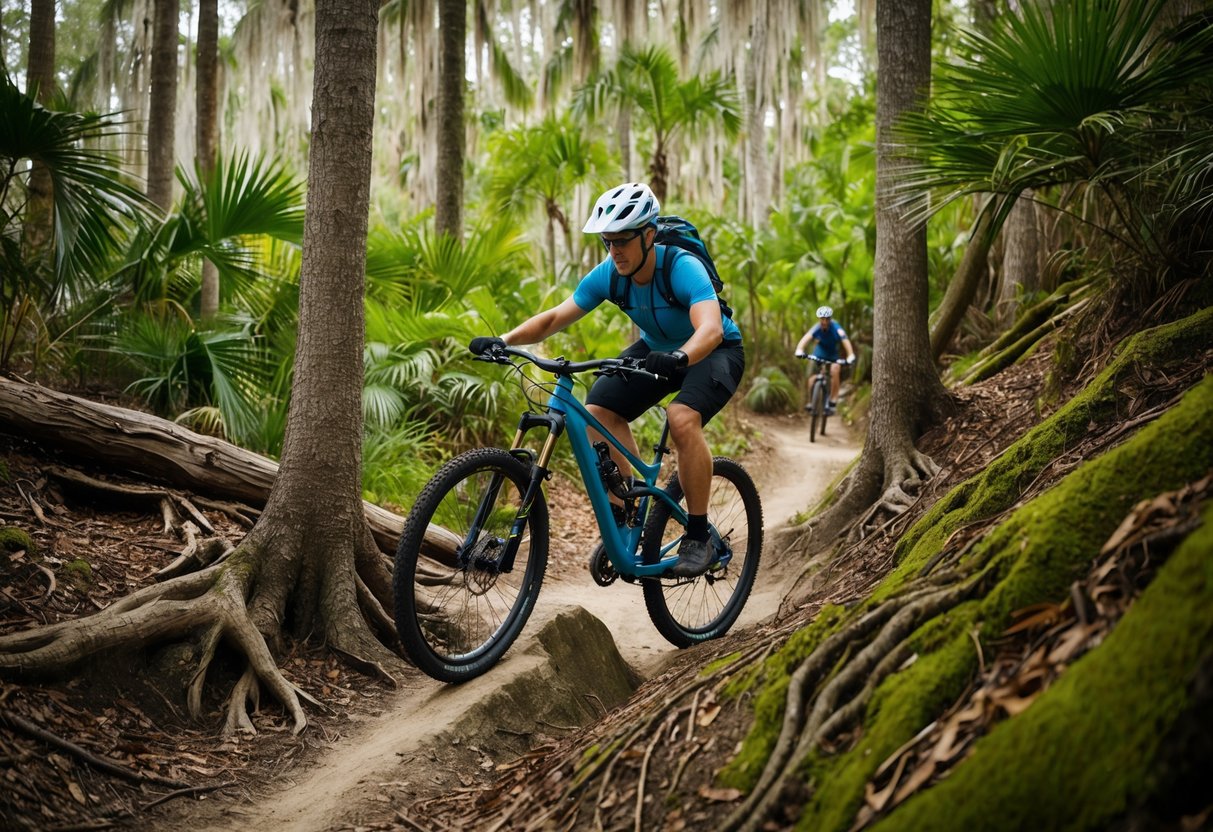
1086,750
744,769
1032,556
13,539
901,707
1002,483
79,571
5,475
591,763
1048,543
723,661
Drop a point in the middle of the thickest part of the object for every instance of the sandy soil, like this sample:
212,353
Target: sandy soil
791,474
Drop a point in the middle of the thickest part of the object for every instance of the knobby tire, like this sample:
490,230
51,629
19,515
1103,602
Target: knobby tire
456,620
817,403
687,612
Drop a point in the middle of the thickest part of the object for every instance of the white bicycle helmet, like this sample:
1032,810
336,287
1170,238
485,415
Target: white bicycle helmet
631,205
825,312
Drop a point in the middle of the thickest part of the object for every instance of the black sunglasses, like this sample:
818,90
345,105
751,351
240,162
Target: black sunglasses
620,242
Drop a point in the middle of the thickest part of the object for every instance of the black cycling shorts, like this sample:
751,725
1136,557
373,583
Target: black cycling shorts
705,387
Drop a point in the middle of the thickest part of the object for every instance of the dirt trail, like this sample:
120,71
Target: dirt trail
791,475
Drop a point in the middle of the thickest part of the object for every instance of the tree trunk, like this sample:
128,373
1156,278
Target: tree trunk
1020,262
907,395
963,286
757,179
130,440
313,529
38,229
206,132
162,106
452,26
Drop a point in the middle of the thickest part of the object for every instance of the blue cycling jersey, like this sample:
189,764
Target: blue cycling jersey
662,326
829,339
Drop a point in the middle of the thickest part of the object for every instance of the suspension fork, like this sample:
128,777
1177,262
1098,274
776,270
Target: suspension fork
554,422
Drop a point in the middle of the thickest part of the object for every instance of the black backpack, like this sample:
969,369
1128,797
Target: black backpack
678,236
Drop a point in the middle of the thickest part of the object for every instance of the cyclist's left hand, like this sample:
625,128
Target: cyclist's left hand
664,363
850,359
485,343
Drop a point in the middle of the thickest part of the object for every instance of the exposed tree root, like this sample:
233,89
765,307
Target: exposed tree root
905,479
96,761
211,600
831,708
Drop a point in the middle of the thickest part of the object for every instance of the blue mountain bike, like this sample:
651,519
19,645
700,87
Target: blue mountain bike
459,605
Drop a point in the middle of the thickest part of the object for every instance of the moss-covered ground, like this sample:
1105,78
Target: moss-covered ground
1032,556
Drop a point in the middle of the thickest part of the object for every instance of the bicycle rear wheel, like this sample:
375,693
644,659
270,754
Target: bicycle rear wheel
817,409
688,611
458,613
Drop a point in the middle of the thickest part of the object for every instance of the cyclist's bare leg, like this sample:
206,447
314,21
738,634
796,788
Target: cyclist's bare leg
619,427
835,379
694,456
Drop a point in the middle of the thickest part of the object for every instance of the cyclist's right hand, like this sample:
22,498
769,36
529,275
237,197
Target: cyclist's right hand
801,354
485,343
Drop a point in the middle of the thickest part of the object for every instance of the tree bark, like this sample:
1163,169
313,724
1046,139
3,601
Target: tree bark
963,286
1020,262
207,129
149,446
452,26
38,228
313,534
757,182
907,395
162,108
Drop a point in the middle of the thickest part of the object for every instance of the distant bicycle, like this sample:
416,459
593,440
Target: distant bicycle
458,610
819,396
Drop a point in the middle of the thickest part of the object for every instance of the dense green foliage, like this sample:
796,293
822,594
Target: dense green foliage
116,297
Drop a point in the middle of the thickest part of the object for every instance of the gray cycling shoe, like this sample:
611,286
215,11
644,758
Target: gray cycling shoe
694,558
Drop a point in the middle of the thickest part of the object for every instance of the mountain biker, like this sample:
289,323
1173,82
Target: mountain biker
828,334
694,348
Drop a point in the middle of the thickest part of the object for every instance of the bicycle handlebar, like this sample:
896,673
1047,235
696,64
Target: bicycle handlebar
564,367
820,360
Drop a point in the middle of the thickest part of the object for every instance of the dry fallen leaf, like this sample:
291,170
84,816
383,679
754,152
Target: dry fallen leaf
77,793
708,715
720,795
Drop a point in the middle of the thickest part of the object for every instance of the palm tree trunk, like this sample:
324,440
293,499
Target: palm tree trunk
907,395
313,518
207,128
963,288
452,24
40,81
162,107
757,182
1020,261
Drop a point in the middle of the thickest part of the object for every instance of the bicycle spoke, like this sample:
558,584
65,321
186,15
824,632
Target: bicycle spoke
457,620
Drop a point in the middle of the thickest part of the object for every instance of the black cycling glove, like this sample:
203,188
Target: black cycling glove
665,363
485,343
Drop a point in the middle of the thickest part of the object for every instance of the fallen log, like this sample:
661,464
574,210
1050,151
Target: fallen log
156,448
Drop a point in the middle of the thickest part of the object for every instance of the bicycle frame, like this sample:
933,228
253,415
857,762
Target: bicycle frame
565,413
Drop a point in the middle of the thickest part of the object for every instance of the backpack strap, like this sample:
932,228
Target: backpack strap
665,277
619,288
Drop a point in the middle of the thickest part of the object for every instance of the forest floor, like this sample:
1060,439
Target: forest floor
166,771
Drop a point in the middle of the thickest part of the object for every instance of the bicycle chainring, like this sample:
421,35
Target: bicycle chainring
601,568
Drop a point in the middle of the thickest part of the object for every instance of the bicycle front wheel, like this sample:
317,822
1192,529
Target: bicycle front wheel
458,612
817,410
686,611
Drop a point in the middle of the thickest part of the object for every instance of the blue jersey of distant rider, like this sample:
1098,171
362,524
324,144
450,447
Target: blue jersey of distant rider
829,338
